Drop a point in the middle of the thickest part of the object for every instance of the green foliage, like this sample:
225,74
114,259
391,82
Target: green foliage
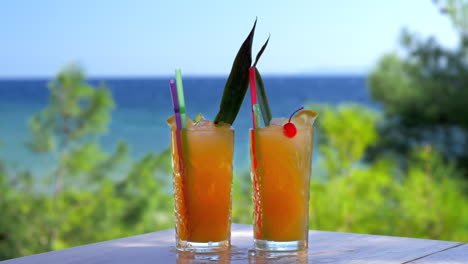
77,112
242,205
21,220
425,88
359,202
423,91
435,205
457,10
425,200
345,149
68,129
90,195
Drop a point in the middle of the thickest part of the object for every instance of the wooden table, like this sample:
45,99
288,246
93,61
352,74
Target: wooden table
324,247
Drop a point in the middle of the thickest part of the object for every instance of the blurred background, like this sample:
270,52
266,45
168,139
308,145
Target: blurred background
84,146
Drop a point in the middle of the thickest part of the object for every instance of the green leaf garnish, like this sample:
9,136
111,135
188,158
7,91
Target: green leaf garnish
199,118
259,54
263,99
237,83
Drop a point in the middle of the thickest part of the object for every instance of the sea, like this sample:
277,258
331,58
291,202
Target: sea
144,104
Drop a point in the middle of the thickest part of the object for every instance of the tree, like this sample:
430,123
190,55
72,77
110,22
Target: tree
69,129
423,92
90,195
344,151
457,10
353,195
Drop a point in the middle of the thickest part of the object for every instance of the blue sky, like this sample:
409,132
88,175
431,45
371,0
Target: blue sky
152,37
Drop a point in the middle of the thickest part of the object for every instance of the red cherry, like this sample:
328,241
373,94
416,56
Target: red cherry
289,130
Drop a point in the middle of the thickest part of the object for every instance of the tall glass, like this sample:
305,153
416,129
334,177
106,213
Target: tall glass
281,168
202,187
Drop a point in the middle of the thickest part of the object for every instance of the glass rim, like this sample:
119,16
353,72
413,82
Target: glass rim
276,130
216,130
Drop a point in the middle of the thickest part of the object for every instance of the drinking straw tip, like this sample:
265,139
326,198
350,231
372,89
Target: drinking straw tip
180,93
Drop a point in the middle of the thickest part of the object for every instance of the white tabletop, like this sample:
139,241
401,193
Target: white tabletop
324,247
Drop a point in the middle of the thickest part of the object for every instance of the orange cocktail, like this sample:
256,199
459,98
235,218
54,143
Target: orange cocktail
202,185
281,168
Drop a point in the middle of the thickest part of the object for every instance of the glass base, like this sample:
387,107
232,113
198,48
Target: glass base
202,247
267,245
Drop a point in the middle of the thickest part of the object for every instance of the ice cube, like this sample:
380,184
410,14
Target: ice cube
204,124
278,121
171,121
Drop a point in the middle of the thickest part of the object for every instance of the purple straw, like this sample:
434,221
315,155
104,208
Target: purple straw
175,102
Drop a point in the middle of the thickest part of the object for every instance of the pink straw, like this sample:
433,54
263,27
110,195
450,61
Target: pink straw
253,94
253,100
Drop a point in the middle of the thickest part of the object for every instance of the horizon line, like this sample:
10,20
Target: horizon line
188,75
